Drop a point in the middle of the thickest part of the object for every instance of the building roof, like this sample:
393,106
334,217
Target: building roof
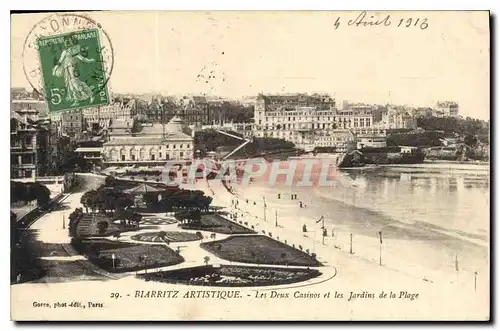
170,137
121,124
28,101
88,149
175,126
142,189
153,130
16,116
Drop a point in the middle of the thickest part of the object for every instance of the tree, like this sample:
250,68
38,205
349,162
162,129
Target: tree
102,226
41,193
89,200
109,181
129,216
206,259
14,235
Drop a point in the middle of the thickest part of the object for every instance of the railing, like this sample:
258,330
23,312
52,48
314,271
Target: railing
47,179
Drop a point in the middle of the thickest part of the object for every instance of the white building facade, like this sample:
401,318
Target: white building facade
308,121
175,143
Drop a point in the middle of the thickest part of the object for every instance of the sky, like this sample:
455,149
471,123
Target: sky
235,54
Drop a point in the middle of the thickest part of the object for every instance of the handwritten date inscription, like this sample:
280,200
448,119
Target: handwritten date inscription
364,19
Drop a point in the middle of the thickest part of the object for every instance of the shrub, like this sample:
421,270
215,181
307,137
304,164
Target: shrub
246,223
293,245
102,226
199,234
286,242
253,227
263,231
300,247
313,255
270,234
307,251
278,238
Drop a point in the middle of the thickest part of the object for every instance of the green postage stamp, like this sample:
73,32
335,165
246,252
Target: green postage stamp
73,70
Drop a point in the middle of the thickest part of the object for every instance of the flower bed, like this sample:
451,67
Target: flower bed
168,235
232,276
216,223
157,221
128,256
260,250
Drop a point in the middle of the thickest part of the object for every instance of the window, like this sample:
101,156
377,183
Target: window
159,155
181,154
123,157
182,146
133,157
188,146
152,157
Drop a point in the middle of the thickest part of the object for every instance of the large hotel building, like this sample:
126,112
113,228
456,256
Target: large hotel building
312,121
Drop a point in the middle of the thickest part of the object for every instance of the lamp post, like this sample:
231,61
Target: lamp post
380,251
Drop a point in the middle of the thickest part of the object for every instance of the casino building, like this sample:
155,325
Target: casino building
151,146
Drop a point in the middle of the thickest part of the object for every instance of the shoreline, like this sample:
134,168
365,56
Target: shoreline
396,248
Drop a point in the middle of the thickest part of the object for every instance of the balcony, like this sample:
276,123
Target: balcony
22,148
23,166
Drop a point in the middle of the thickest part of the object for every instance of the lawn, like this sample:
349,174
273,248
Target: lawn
215,223
87,226
260,250
232,276
170,236
128,256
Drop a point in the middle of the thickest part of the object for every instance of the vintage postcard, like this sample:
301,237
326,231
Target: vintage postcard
284,166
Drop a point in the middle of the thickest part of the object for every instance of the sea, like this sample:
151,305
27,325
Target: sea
431,220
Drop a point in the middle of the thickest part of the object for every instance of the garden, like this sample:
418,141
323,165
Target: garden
232,276
259,250
153,220
167,236
117,256
212,222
